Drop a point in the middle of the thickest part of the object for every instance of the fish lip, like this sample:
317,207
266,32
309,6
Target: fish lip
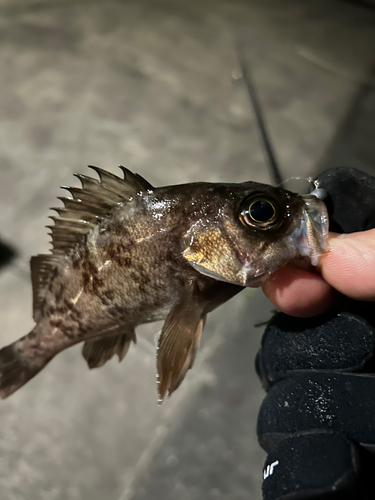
310,237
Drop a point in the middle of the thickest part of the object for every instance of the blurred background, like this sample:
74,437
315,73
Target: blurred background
147,84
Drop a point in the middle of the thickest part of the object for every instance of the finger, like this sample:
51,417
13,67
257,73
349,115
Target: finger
298,292
349,266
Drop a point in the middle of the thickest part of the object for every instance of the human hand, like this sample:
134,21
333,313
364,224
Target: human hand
349,268
317,421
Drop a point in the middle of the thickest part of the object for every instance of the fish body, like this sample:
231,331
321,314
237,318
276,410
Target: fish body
126,253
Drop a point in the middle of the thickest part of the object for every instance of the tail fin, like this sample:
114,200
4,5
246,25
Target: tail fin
14,371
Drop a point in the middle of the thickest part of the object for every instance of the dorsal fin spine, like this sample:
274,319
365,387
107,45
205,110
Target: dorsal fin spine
89,205
136,181
74,204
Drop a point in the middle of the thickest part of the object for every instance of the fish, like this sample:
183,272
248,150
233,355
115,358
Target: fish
125,253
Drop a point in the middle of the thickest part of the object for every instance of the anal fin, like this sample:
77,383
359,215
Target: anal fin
98,351
178,344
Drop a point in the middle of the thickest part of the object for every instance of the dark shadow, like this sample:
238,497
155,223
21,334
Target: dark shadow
7,254
369,4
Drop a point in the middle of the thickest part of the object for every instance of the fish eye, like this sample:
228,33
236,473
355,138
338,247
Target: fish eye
260,211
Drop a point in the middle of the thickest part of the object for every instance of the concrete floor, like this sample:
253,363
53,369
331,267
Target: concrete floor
147,84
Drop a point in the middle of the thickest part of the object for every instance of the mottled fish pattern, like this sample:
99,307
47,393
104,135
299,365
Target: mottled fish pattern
126,253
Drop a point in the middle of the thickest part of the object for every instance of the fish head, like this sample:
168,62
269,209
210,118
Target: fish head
256,230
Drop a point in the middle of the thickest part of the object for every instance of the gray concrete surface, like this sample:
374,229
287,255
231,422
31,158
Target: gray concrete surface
147,84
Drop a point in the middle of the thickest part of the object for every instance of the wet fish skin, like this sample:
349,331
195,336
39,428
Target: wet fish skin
126,253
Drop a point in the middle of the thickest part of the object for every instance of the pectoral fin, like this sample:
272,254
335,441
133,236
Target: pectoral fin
178,344
98,351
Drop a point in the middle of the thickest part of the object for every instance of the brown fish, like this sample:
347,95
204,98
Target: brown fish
126,253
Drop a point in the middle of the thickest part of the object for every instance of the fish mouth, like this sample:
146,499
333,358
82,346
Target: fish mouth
310,237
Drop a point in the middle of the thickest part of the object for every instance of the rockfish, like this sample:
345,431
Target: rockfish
126,253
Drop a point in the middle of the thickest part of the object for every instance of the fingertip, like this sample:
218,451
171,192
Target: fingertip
298,292
349,266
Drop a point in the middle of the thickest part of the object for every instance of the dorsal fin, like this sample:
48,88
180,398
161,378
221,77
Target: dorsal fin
43,268
89,204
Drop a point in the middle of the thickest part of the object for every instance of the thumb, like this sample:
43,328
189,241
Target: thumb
350,265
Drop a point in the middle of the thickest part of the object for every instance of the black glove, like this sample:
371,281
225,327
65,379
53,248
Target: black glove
317,422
